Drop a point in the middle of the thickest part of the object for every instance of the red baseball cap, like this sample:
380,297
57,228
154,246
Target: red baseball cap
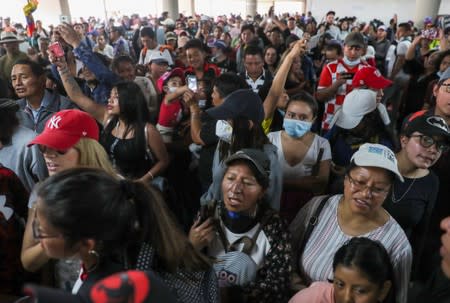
176,72
369,76
65,128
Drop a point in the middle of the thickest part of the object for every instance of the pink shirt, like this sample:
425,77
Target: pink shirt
318,292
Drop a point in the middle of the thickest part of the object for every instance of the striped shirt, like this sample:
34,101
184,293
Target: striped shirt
327,237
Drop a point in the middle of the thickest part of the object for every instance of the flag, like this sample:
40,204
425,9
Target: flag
28,10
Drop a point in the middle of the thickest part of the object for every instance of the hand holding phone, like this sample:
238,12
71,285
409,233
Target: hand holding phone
56,49
191,81
346,75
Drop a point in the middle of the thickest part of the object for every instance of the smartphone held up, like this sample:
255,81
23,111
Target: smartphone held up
56,49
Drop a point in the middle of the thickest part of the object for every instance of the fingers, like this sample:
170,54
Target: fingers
445,224
445,253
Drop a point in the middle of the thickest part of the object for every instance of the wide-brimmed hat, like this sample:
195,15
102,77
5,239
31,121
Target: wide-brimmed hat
9,37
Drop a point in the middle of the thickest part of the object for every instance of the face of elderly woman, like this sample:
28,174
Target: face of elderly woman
365,188
241,191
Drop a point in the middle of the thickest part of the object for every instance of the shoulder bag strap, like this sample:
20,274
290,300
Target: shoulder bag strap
309,229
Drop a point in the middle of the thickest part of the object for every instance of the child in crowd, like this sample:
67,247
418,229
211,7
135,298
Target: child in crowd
172,107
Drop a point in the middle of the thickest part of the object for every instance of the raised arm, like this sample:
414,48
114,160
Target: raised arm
411,52
84,53
98,111
277,88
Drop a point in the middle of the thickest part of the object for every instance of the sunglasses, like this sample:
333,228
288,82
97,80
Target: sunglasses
426,141
45,149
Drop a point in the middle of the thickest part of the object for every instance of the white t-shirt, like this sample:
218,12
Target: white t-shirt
260,250
393,52
304,167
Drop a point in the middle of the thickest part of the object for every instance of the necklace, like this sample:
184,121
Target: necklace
394,200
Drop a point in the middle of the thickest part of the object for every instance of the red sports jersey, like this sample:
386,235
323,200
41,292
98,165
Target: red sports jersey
327,78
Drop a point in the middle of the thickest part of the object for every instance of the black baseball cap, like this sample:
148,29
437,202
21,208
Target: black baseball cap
240,103
425,124
256,157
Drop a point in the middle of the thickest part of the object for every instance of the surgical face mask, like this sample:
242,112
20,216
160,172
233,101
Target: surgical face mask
348,62
296,128
224,130
172,89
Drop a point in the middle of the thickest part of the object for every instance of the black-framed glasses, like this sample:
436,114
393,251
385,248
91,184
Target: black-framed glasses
362,186
45,149
446,87
36,231
427,141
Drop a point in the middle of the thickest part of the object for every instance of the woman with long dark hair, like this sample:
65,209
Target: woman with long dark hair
133,144
126,226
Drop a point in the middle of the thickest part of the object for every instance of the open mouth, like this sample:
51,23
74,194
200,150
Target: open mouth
52,167
362,204
234,201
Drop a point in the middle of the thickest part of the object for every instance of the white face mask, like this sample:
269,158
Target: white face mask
224,130
348,62
172,89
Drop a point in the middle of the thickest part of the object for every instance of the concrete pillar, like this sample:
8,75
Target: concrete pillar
250,6
171,6
425,8
192,2
65,9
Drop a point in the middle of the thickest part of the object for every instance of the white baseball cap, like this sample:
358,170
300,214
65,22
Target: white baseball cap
377,155
358,103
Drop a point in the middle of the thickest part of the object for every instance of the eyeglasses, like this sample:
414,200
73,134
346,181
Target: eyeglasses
446,87
426,141
362,186
37,233
45,149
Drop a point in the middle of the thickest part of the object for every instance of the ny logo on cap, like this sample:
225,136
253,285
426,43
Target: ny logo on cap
438,122
54,122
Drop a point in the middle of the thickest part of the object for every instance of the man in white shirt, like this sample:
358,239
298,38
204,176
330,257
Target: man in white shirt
150,45
294,28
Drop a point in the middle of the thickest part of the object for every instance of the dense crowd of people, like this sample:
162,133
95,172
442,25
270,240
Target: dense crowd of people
271,158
